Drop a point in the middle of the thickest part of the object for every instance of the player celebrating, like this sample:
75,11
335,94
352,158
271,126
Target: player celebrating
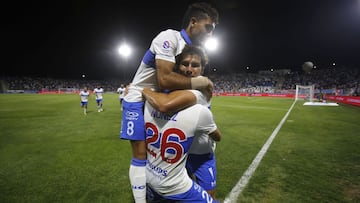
201,163
98,91
198,24
121,91
84,98
169,137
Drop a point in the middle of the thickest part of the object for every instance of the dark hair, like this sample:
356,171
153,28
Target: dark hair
200,11
191,50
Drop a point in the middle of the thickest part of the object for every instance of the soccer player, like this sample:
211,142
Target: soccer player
98,91
84,98
201,163
169,138
156,71
121,91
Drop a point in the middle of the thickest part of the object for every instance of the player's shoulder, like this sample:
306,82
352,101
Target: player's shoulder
196,107
200,97
169,33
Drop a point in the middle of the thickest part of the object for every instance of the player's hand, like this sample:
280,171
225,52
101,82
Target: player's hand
145,89
200,82
127,89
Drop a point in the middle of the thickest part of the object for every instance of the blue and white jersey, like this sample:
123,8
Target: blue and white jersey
168,139
202,144
84,96
166,45
121,91
200,98
98,93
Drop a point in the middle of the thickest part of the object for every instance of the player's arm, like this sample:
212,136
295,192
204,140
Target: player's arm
216,135
207,123
171,102
170,80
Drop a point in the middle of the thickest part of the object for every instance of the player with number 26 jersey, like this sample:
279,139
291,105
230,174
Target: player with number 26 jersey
168,139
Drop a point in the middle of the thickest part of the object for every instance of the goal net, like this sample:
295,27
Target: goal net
305,92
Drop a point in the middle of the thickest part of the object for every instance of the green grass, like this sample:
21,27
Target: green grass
51,152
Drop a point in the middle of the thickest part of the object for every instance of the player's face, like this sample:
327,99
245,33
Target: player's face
190,66
202,29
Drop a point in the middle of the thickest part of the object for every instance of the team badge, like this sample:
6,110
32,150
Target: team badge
166,44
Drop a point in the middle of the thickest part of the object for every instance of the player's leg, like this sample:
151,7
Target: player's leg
203,169
101,105
133,129
98,104
82,105
137,170
85,108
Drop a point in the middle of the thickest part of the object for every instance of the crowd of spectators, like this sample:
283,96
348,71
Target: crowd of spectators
334,81
340,81
37,84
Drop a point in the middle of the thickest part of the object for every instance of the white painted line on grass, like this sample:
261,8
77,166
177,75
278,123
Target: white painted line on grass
241,184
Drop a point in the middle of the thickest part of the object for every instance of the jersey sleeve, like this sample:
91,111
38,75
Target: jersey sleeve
206,123
164,45
200,98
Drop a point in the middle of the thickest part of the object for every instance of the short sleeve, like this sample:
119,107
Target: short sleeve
164,45
206,122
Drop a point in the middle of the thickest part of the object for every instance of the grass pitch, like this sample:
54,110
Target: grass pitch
51,152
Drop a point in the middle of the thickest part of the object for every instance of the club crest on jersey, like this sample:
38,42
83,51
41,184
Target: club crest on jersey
166,44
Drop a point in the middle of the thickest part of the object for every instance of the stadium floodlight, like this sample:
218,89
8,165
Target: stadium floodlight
211,44
124,50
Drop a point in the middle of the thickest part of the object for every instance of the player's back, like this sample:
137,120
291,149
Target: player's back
169,138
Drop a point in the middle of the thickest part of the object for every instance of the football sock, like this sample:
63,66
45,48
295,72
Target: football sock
138,179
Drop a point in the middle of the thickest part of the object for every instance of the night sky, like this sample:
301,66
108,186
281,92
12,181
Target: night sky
66,39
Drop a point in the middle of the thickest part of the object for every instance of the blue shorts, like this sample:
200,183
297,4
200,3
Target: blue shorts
99,100
133,124
83,103
202,167
196,194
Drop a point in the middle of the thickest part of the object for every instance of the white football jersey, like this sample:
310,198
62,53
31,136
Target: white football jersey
99,93
166,45
202,144
121,91
84,95
168,139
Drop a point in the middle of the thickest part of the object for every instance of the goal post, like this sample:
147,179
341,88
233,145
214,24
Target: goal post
305,92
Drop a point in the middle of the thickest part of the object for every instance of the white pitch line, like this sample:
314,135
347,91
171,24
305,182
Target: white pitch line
241,184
